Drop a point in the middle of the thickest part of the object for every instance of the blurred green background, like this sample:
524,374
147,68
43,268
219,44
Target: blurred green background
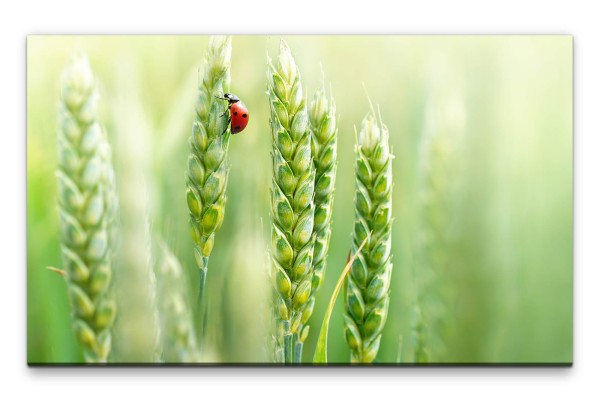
481,129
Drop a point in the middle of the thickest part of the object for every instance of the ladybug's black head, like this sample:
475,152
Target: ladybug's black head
231,98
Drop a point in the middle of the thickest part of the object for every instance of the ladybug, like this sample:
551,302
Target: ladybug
238,112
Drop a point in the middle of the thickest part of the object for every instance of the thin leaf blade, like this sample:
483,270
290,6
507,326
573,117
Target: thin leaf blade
320,356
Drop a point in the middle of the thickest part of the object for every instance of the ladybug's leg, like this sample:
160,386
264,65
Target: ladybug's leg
223,98
226,111
228,122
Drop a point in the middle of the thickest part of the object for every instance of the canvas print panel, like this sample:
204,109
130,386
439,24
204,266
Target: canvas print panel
294,200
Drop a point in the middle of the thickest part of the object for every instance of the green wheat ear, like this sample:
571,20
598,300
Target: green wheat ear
208,165
367,285
292,199
87,205
439,192
323,128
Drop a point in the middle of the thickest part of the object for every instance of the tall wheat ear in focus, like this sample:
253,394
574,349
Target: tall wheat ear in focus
292,202
208,163
323,128
87,206
367,286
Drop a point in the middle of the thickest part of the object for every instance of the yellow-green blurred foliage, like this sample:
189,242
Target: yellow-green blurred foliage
506,285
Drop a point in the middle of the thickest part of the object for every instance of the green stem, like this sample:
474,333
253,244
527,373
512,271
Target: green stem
201,307
297,349
287,344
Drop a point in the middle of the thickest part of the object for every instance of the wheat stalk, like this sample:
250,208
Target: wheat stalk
367,286
136,331
87,205
419,336
323,128
178,336
292,198
208,166
439,190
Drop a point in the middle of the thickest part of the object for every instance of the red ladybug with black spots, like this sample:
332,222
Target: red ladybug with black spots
238,112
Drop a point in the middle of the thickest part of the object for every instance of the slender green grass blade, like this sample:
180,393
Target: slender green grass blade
321,349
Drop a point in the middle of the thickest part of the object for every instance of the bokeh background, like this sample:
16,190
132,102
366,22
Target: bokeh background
481,129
